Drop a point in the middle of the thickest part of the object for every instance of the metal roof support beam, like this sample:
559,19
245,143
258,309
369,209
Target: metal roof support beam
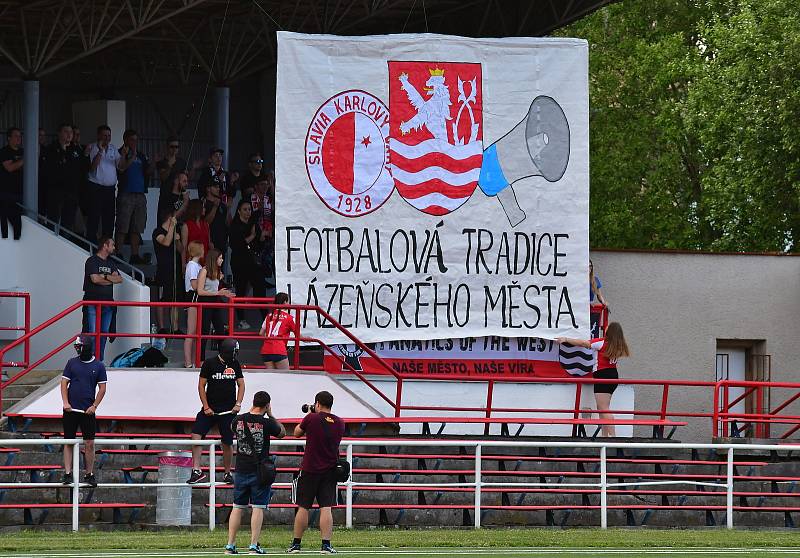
121,37
4,51
189,41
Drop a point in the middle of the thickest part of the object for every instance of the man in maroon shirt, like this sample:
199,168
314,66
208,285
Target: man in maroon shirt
317,480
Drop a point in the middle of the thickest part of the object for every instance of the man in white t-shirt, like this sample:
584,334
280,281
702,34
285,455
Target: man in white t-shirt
104,159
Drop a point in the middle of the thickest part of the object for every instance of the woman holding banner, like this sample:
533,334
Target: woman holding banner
608,350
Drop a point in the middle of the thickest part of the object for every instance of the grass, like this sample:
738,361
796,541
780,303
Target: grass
197,539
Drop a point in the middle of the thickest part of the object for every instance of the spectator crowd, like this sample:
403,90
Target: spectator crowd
99,190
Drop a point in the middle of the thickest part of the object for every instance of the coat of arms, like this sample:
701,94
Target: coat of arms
436,133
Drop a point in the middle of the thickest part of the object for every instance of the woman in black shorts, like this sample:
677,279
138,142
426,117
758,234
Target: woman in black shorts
609,349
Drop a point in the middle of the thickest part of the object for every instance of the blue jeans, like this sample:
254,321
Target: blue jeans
246,490
105,324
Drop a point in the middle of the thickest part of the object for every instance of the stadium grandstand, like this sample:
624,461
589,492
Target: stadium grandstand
483,427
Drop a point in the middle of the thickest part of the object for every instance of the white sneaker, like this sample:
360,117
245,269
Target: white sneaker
243,325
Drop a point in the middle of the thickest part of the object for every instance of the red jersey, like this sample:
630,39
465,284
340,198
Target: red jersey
277,324
603,362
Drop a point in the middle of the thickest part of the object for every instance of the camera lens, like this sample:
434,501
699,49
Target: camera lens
305,408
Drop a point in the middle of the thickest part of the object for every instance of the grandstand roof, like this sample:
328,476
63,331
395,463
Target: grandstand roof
152,41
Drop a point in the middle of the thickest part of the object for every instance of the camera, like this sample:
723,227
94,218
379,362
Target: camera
307,408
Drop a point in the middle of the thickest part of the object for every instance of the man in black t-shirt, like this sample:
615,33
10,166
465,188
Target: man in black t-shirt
172,163
213,173
100,276
11,183
221,389
169,274
177,198
216,215
63,171
254,172
252,447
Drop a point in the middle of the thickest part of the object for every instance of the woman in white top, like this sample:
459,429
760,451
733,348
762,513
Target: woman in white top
208,291
194,252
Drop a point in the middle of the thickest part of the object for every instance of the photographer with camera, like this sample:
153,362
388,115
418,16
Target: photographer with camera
255,471
318,470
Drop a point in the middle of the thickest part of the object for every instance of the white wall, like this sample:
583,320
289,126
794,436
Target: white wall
88,115
674,307
51,269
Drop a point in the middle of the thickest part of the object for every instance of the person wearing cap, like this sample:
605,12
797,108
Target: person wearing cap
83,387
221,390
213,173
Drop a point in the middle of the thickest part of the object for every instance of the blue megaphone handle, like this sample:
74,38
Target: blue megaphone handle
491,180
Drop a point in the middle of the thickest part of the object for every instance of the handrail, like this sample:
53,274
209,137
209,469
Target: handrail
231,306
476,485
25,328
761,419
720,415
91,247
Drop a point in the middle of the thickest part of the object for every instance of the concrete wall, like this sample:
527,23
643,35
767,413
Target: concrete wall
675,306
51,269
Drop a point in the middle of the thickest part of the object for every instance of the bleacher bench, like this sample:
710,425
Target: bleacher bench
28,508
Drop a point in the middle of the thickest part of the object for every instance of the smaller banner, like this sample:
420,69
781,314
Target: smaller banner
470,356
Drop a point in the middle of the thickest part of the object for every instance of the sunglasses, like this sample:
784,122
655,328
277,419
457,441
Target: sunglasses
174,146
257,161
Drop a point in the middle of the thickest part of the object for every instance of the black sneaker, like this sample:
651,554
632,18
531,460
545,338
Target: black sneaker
294,549
256,549
66,480
197,476
227,478
328,549
90,479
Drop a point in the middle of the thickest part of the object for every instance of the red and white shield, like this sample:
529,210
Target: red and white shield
347,156
436,133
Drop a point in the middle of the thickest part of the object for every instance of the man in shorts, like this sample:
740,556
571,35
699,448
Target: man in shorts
134,172
317,481
221,389
83,386
252,431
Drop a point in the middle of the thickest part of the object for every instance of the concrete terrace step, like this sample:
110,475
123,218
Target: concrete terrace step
26,386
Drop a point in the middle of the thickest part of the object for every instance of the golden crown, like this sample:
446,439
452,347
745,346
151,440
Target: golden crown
436,72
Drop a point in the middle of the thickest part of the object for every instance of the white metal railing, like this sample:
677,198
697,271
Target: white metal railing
350,485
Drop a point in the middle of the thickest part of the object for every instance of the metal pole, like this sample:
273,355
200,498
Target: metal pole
478,486
349,491
27,300
198,338
30,166
212,490
223,98
603,488
76,464
729,489
98,316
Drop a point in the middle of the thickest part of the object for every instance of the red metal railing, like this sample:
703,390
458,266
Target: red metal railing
198,336
721,416
758,420
25,328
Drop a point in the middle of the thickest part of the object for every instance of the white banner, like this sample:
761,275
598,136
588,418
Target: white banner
432,186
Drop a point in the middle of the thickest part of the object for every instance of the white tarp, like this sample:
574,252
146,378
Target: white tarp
432,186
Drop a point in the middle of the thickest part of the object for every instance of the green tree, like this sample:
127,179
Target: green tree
692,124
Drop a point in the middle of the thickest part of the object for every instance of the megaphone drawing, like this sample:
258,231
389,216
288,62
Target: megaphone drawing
537,146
